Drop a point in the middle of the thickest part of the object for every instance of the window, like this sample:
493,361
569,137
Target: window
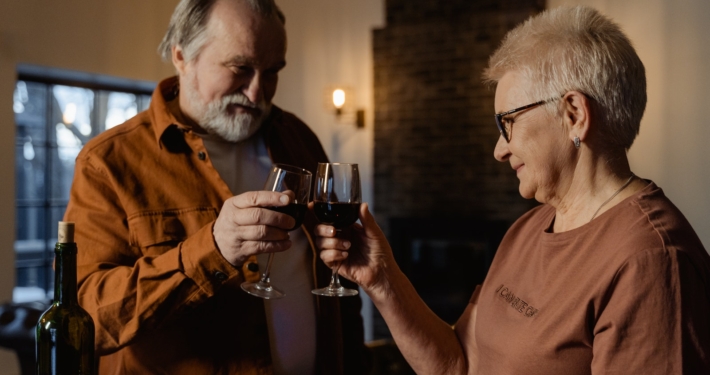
56,113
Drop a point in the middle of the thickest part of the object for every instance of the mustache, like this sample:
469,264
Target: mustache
241,99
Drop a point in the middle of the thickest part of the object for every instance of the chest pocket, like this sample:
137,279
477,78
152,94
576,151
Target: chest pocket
167,228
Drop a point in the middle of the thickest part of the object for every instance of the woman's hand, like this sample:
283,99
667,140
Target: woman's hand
365,255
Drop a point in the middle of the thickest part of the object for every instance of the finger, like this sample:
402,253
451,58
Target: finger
332,243
325,230
260,199
263,216
260,233
291,195
333,256
261,247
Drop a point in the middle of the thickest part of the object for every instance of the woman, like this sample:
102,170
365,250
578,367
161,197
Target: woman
606,276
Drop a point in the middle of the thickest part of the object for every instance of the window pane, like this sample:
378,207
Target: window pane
31,282
30,227
145,103
30,106
63,160
30,163
120,106
72,109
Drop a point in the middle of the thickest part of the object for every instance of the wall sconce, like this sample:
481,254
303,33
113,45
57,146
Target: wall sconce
340,98
338,101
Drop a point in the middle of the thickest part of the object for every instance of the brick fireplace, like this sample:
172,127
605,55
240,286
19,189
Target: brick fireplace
440,196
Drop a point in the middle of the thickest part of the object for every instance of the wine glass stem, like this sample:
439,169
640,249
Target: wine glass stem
335,279
267,272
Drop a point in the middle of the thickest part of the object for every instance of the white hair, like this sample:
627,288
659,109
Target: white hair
577,48
189,21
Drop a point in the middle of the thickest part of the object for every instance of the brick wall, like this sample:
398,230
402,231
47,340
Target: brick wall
434,126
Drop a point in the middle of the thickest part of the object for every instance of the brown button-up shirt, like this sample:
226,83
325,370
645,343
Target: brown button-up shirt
144,198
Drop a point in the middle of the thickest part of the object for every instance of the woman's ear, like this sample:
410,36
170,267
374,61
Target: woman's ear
576,114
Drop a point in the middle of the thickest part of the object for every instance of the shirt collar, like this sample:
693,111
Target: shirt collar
165,109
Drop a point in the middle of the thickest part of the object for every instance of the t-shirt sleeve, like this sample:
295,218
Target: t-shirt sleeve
465,329
643,322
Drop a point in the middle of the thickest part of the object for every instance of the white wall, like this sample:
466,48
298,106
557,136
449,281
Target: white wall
329,44
673,41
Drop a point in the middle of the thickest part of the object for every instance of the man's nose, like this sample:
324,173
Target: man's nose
253,89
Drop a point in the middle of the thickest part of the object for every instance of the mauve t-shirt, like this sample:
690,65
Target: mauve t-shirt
627,293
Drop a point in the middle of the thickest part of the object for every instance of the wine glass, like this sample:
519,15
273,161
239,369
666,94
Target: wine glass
283,178
337,203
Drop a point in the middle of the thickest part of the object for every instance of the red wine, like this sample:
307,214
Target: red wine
339,215
295,210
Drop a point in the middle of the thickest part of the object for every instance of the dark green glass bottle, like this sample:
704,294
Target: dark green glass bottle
65,332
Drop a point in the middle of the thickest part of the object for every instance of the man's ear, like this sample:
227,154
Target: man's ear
576,114
178,58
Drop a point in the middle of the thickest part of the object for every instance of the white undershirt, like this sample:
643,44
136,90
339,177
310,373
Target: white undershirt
244,166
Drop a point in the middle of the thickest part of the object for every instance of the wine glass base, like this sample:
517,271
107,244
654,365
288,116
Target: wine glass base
335,292
262,290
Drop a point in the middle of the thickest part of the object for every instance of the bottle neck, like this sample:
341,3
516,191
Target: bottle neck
65,273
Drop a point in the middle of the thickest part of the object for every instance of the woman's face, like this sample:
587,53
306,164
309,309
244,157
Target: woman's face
539,149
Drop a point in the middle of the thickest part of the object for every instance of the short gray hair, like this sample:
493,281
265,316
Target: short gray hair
189,21
577,48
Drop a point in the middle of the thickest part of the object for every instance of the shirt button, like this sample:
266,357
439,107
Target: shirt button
221,276
201,155
253,267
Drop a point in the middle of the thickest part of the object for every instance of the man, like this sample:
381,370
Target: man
170,221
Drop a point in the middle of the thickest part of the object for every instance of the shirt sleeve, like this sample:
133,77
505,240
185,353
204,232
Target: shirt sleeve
126,291
649,323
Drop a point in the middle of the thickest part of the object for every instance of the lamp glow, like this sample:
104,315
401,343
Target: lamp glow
338,98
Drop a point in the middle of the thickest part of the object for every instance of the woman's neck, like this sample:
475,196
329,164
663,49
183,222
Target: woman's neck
596,185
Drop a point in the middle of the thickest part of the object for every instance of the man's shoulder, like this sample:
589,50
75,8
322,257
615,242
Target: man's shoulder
288,127
135,132
285,120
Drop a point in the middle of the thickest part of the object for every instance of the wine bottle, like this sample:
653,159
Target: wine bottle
65,332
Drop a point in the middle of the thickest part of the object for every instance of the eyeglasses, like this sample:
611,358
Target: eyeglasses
505,126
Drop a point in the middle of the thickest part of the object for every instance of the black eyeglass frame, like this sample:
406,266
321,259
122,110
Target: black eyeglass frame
499,116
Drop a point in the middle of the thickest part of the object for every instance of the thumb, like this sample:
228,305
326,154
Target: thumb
368,222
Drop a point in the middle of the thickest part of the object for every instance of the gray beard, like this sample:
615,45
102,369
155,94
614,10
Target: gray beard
214,116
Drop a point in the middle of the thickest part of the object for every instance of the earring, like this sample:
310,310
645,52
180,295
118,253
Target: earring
576,142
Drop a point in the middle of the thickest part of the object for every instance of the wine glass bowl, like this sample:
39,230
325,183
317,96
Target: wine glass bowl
336,202
296,182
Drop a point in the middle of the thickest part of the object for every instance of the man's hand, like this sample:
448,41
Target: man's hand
245,227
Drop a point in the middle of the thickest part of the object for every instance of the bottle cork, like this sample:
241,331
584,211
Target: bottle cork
66,232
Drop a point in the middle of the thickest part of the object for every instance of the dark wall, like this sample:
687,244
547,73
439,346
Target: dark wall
440,196
434,126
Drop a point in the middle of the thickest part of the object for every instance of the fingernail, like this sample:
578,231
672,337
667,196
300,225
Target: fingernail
346,244
284,199
344,254
331,230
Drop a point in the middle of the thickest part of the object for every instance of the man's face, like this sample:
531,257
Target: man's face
228,87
